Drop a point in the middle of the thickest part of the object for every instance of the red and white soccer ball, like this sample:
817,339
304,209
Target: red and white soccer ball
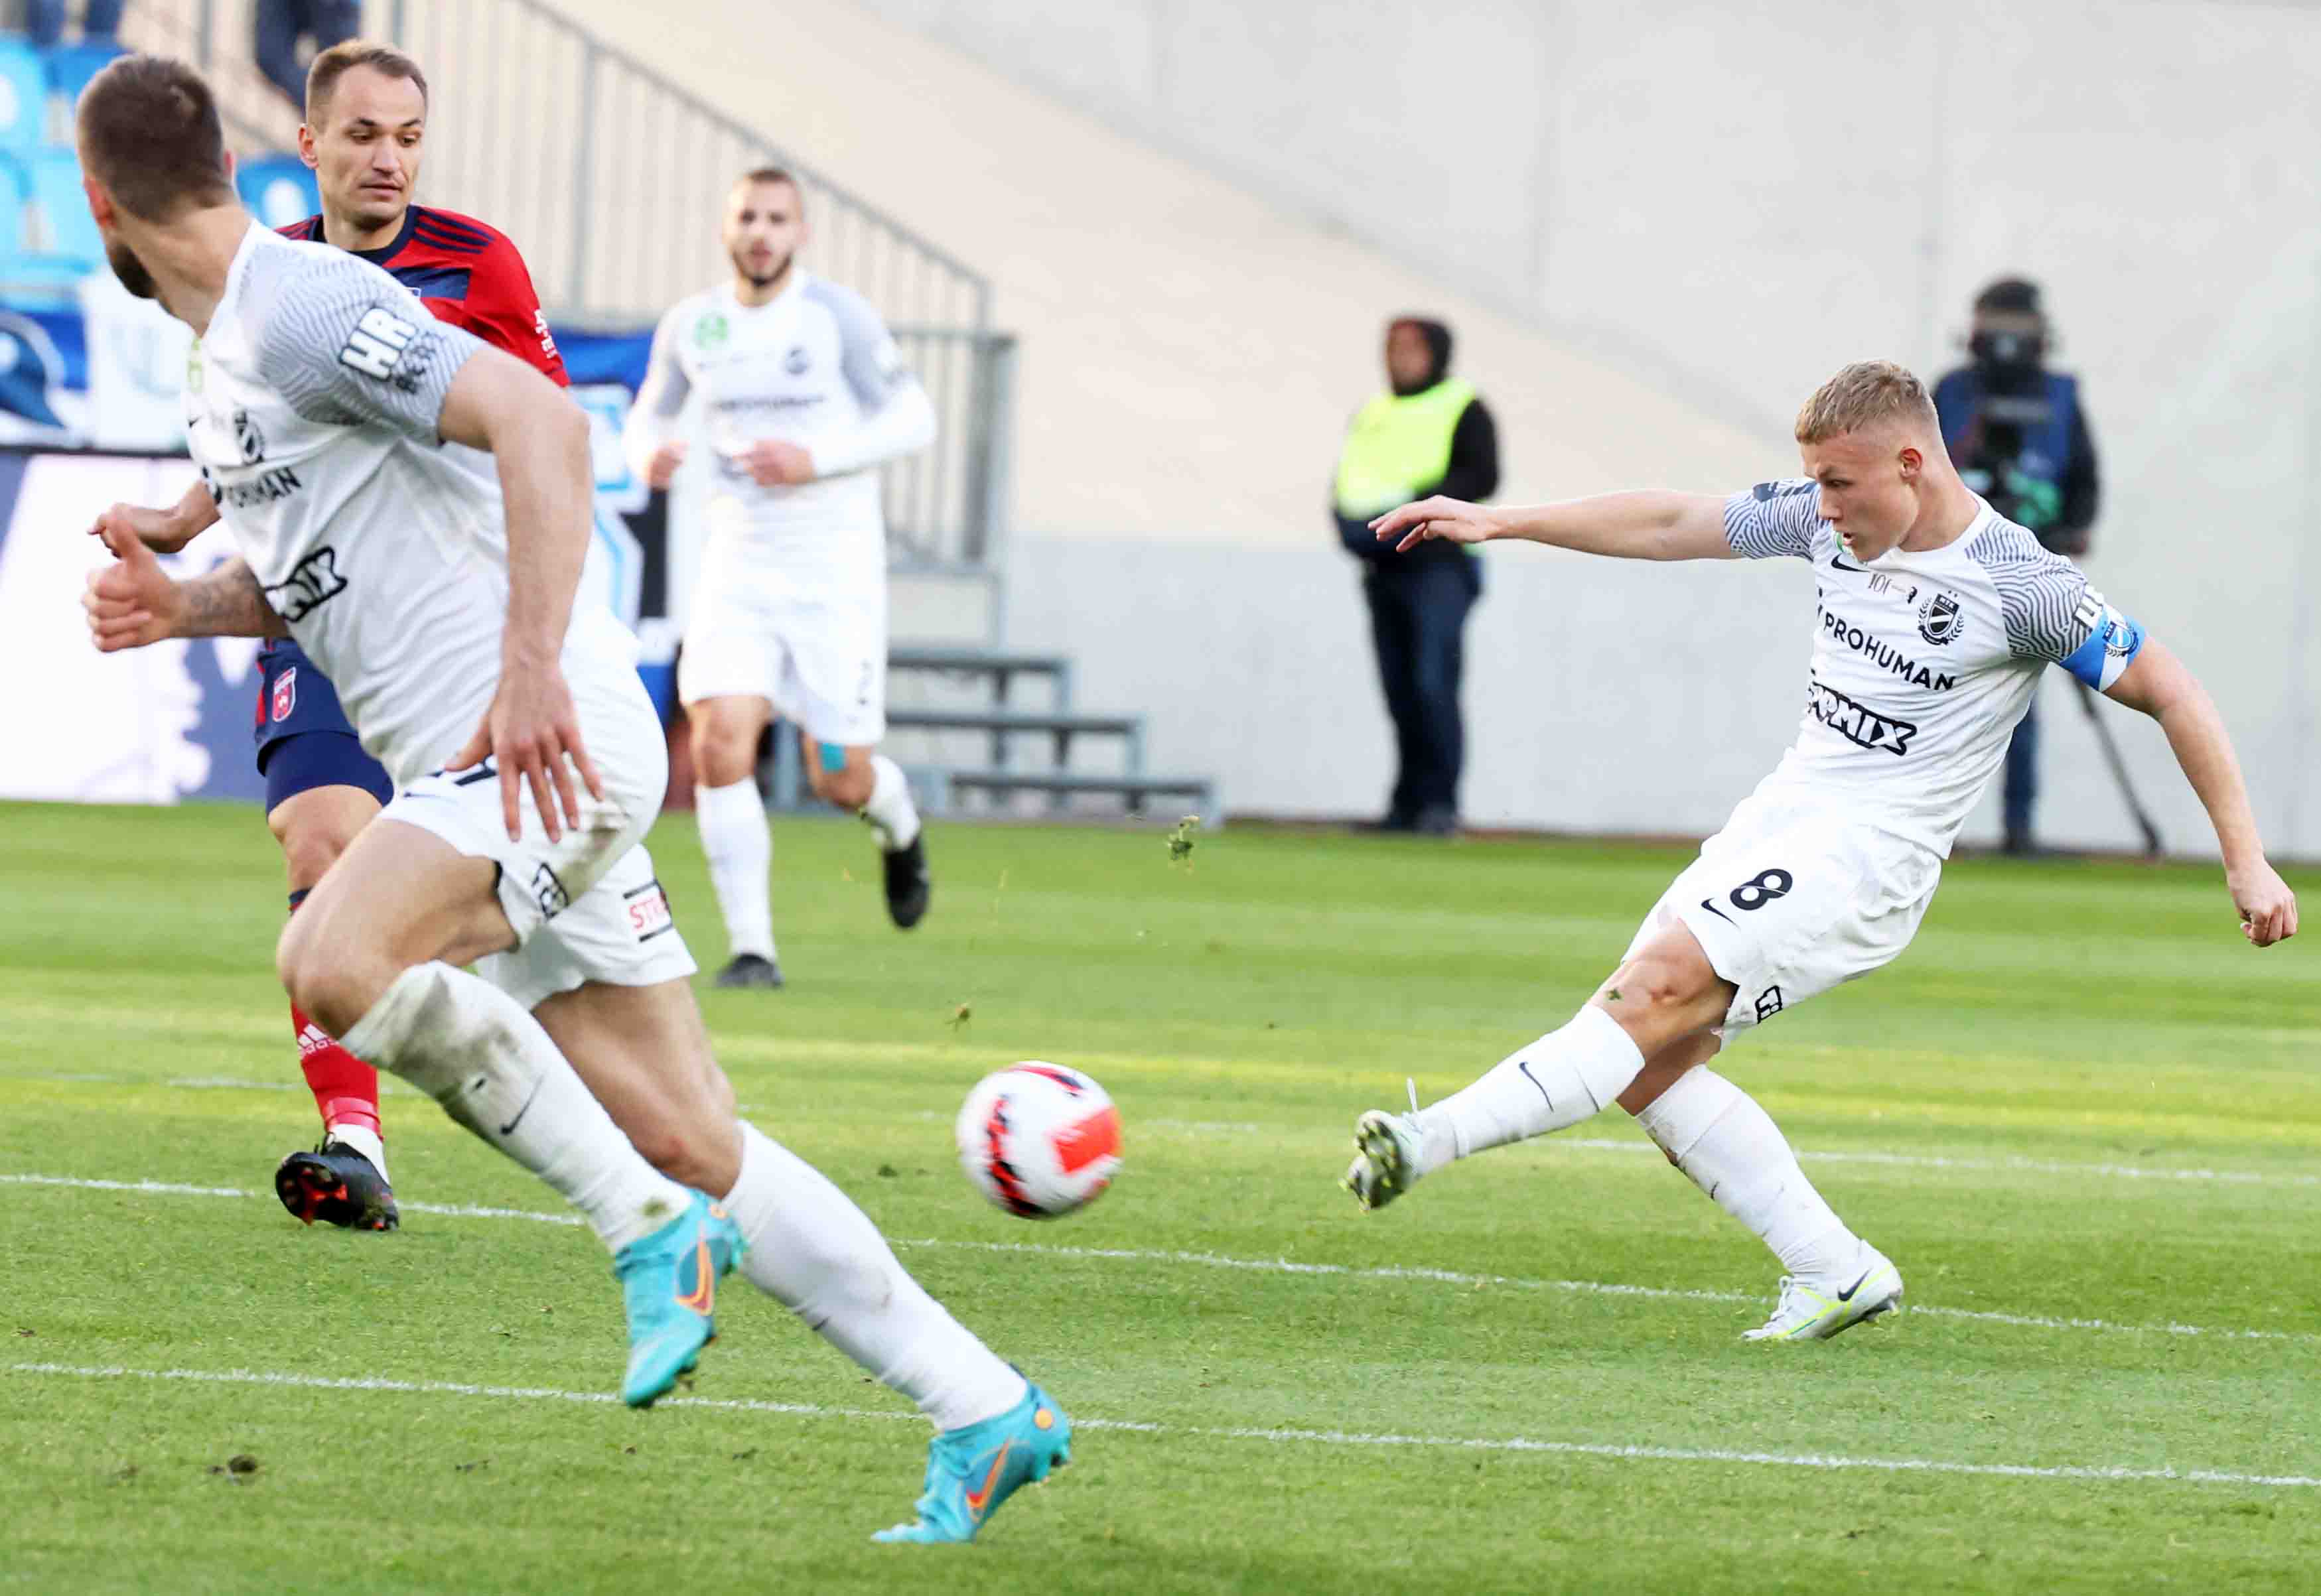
1038,1140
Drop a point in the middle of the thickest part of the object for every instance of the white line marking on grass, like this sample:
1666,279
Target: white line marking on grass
1601,1288
1604,1144
1323,1438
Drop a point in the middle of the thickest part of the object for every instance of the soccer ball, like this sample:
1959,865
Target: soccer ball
1038,1140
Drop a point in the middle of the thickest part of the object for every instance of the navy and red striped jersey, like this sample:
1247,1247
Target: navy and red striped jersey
467,272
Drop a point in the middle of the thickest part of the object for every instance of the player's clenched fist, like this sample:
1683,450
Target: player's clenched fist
663,464
164,531
773,463
132,602
2268,908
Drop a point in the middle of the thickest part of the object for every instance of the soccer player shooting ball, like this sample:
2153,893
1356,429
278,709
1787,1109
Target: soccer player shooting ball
1936,617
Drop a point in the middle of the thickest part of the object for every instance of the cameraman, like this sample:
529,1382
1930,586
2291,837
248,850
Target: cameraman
2020,438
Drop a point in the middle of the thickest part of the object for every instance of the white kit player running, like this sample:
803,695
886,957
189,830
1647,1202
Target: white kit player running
1934,619
804,395
529,765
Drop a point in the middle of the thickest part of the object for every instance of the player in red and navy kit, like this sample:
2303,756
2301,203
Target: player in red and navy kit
366,124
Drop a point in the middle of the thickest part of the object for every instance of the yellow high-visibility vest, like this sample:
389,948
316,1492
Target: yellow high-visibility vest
1398,445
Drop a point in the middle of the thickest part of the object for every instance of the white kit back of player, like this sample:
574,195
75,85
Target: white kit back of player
384,551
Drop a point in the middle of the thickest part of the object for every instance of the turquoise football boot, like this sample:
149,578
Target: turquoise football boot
670,1282
971,1470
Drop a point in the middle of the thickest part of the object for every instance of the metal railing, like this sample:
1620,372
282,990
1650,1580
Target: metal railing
946,506
613,180
538,110
611,177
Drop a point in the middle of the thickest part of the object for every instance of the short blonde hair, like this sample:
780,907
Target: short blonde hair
1862,394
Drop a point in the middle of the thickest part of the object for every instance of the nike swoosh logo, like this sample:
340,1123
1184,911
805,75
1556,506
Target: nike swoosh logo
1526,1067
1847,1294
976,1501
702,1296
509,1129
1837,562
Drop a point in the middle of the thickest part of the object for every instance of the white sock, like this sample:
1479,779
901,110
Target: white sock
739,840
1729,1146
364,1139
1566,1076
468,1046
890,808
819,1256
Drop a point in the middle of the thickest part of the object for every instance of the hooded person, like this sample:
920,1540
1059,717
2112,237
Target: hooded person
1428,433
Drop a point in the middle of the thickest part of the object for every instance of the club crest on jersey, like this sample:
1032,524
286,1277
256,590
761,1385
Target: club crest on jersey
796,361
285,694
710,331
1940,618
247,438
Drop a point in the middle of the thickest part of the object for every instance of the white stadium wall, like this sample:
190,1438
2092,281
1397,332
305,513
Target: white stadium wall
1655,226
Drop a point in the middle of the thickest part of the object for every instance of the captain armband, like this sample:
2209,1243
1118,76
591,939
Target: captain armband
2111,644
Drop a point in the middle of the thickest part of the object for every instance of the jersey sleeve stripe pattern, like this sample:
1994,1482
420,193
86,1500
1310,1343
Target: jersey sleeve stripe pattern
433,228
2040,592
1772,519
342,343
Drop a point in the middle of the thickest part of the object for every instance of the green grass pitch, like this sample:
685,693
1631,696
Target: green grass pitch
2082,1116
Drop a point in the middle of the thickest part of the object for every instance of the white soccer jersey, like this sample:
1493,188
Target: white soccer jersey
313,402
1923,663
815,367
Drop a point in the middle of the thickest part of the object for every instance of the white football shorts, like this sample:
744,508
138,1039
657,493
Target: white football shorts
1788,902
587,907
818,654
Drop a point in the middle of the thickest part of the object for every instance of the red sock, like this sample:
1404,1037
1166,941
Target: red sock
345,1088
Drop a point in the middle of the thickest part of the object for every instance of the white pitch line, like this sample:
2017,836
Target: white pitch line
1398,1272
2129,1171
1325,1437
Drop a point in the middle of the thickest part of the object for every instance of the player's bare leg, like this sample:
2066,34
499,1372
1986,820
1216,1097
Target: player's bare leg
736,836
645,1055
375,957
343,1181
863,780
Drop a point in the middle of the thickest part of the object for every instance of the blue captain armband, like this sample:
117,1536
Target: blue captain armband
2112,643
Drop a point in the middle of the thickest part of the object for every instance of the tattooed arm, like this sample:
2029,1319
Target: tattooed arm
228,602
132,602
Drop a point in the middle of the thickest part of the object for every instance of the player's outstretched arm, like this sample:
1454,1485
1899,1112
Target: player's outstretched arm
539,439
2157,682
1648,525
133,602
